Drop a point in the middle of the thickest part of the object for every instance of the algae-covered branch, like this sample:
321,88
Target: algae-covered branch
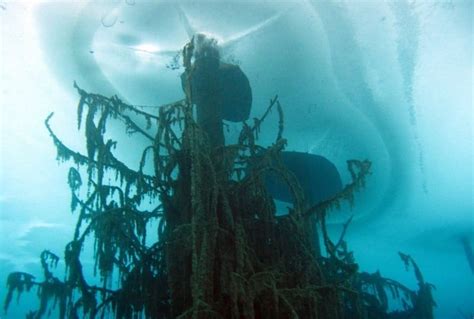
219,249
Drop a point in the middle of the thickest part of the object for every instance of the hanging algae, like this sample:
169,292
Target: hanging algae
221,250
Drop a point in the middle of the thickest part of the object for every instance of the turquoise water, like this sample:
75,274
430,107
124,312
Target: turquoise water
390,82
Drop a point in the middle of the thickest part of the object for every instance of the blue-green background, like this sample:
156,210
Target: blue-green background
386,81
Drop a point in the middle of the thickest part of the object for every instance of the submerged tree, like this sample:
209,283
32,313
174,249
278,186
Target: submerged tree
220,250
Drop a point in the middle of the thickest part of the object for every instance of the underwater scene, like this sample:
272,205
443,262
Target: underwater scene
236,159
